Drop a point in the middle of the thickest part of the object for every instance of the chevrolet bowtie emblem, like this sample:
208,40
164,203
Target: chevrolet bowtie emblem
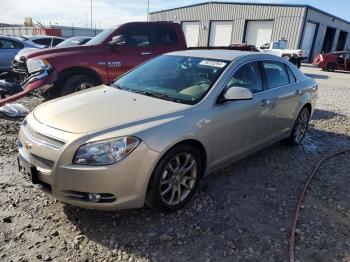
27,145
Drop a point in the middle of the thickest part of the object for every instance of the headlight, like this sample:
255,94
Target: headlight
37,65
105,152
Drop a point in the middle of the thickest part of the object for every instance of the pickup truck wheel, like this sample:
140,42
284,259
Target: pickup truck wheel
77,83
331,67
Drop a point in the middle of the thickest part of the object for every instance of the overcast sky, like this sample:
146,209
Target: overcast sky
111,12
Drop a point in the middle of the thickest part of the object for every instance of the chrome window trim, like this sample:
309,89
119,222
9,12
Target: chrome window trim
244,63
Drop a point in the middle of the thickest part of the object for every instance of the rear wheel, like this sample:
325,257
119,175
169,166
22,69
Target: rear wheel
175,179
300,127
331,67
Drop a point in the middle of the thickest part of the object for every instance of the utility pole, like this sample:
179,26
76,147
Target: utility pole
147,10
91,14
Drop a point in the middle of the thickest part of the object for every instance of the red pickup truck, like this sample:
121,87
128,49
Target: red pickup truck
61,71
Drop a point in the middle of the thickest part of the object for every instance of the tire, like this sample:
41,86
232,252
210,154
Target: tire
331,67
73,84
300,128
163,190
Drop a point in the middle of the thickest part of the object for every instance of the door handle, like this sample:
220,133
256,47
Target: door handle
146,53
264,102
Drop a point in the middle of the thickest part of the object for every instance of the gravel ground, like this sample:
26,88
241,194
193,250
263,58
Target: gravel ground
241,213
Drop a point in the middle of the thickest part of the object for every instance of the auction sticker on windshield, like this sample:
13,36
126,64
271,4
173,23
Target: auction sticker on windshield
213,63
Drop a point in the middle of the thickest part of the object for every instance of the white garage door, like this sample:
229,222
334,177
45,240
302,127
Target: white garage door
309,35
191,31
258,32
220,33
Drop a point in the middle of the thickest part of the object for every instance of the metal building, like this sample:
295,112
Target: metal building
223,23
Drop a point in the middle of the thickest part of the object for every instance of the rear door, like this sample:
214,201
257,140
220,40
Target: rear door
163,39
136,50
8,49
240,126
284,98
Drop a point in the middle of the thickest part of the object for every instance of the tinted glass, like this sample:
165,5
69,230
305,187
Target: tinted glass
98,39
276,74
248,76
45,42
136,35
292,78
178,78
56,41
9,44
166,35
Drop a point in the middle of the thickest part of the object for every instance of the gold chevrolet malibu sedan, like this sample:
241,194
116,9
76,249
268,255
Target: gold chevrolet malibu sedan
151,135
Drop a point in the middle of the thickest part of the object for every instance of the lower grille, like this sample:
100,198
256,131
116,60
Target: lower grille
42,162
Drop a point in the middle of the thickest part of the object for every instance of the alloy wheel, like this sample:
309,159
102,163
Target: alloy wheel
178,179
301,125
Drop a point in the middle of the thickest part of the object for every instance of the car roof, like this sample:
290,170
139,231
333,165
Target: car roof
221,54
11,38
33,37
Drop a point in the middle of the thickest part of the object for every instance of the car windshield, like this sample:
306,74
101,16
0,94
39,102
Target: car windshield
180,79
73,41
98,39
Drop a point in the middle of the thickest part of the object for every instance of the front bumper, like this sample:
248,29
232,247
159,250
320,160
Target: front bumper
43,79
122,185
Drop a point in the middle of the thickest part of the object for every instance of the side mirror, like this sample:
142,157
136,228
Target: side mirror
118,40
238,93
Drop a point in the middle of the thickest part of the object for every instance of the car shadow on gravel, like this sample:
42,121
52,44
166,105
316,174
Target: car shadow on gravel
241,212
325,115
317,76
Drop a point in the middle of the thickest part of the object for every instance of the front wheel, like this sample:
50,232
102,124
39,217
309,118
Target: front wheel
73,84
331,67
175,179
300,127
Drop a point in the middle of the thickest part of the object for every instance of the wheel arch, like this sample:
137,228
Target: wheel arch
77,70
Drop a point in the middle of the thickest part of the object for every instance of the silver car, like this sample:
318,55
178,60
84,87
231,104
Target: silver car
151,135
9,47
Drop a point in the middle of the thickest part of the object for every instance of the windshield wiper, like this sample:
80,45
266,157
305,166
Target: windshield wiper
156,95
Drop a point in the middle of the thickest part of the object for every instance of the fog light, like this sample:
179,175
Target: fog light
94,197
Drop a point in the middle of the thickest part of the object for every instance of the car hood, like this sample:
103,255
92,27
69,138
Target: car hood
101,108
26,51
49,52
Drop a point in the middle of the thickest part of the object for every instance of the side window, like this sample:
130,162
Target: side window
166,35
136,36
248,76
9,44
44,41
56,41
292,78
276,74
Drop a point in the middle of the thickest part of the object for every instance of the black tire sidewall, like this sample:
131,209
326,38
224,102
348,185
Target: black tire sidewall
153,198
71,84
291,139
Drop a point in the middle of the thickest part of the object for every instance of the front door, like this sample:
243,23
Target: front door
135,50
240,126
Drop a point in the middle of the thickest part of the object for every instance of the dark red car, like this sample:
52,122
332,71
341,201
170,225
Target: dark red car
333,61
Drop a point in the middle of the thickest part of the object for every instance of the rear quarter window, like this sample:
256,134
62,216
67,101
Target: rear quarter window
291,76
